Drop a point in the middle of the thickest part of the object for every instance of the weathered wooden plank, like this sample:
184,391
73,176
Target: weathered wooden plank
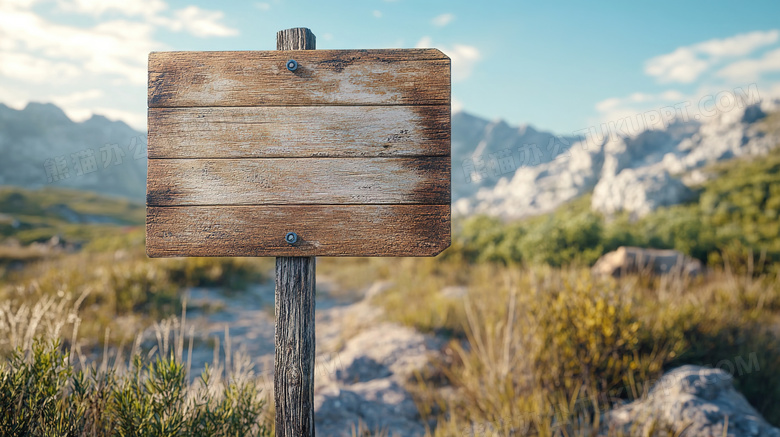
323,230
335,131
423,180
323,77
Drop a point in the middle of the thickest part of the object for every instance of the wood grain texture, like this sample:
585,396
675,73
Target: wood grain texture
173,182
297,38
323,230
294,336
295,346
323,77
327,131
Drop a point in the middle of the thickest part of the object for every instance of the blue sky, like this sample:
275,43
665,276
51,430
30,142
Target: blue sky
560,66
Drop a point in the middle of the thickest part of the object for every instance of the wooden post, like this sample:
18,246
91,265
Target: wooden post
294,334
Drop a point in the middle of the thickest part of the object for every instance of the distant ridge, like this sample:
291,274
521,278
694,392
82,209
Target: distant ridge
634,173
41,146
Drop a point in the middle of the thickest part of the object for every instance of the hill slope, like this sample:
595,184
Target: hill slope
41,147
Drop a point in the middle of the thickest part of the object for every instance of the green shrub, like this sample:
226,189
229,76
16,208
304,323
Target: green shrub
42,395
734,218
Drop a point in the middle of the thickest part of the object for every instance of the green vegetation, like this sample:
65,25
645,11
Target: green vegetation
541,345
41,394
735,213
110,280
538,345
38,215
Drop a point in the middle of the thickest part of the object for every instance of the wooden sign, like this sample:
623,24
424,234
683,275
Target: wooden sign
347,149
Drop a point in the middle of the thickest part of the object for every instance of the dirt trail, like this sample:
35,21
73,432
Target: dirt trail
362,363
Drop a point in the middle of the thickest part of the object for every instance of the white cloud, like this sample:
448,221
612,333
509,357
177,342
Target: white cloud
463,57
682,65
44,57
97,8
727,65
37,70
424,42
77,97
14,97
739,45
750,70
608,104
136,120
463,60
442,20
194,20
377,14
263,6
686,64
456,106
200,22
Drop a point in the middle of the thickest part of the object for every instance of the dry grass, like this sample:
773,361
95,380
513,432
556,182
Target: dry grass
46,389
118,287
545,351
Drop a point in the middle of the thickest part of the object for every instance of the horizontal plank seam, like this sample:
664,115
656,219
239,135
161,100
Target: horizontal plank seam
302,105
317,60
240,158
294,205
319,54
363,105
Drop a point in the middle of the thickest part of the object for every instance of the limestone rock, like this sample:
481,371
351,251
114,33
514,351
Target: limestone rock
363,383
691,401
626,260
636,173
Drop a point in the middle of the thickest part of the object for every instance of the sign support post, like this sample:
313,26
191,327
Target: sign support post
294,303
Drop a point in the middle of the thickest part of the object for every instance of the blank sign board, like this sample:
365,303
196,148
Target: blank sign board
348,149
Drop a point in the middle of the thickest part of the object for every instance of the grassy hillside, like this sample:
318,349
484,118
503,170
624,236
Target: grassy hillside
107,278
38,215
734,214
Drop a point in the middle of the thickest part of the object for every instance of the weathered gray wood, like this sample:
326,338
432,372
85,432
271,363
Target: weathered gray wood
295,347
297,38
294,328
326,77
323,230
332,131
256,181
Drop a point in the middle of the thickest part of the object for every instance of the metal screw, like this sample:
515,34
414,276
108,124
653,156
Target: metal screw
291,238
292,65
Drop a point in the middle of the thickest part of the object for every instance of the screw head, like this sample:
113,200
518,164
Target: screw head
291,238
292,65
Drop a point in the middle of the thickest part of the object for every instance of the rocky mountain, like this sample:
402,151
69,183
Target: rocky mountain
41,146
484,152
497,169
633,173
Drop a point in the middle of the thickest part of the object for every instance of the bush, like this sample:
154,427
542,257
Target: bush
42,395
550,348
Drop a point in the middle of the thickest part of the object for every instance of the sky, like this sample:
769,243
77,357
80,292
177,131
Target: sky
558,66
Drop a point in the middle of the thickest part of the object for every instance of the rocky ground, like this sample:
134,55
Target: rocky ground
362,364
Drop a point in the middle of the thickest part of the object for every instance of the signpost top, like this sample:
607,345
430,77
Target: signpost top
347,149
